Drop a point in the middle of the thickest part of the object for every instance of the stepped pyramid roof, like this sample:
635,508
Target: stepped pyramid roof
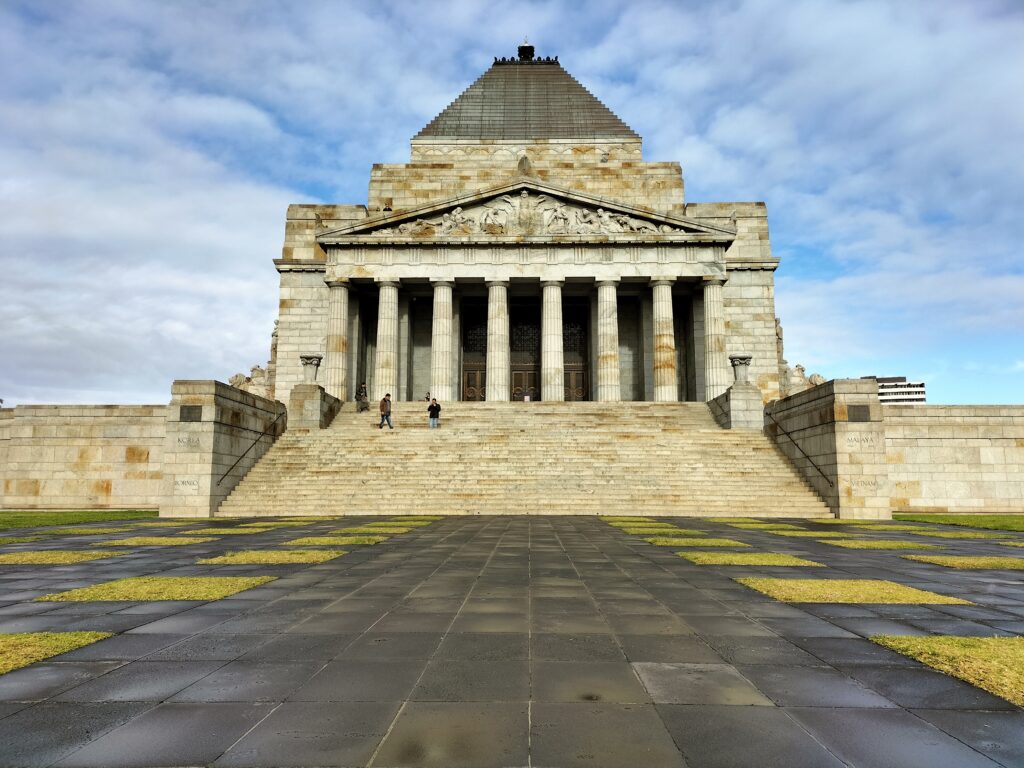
526,98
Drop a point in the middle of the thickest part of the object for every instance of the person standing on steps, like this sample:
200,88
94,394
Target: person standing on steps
385,412
434,411
362,399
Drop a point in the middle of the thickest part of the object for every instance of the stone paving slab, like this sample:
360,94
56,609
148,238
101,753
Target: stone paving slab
501,641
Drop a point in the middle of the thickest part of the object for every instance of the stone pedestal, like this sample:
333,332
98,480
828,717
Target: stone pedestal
336,374
716,370
499,361
385,375
441,343
552,361
666,382
310,407
608,376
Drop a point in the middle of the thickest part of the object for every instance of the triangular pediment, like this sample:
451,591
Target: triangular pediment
526,208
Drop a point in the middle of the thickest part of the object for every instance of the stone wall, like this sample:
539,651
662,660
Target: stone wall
82,456
955,458
210,426
448,169
749,300
838,426
302,326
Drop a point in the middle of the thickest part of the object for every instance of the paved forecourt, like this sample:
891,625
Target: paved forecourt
505,641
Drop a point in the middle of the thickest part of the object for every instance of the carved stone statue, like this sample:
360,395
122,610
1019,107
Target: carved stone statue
525,214
256,383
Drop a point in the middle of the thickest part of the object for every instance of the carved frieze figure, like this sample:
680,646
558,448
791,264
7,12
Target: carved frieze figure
525,214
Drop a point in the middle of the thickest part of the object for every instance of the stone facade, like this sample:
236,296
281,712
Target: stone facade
556,193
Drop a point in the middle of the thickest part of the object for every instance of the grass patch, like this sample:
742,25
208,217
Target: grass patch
966,535
734,520
91,531
667,531
270,526
275,557
223,531
20,539
158,541
894,527
627,519
53,557
847,591
144,588
994,664
671,541
1012,543
23,648
336,541
371,530
881,544
176,523
766,526
969,563
838,521
25,519
815,534
746,558
991,522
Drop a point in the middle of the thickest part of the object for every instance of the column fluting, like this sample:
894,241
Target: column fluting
336,375
608,376
552,353
499,362
441,343
666,383
716,366
385,377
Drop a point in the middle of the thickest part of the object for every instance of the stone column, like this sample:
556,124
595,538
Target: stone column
608,389
666,383
552,360
441,343
336,375
499,360
716,368
385,376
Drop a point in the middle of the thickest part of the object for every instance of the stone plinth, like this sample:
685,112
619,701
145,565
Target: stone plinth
311,407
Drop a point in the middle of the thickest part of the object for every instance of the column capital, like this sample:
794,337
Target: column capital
613,283
336,283
382,282
554,283
499,283
442,281
714,281
656,281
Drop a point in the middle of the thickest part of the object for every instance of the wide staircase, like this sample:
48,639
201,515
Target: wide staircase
526,458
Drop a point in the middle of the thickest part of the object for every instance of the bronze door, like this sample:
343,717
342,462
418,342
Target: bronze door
576,349
474,349
524,343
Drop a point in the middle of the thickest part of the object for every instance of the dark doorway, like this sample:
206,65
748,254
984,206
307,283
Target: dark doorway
524,340
474,349
576,348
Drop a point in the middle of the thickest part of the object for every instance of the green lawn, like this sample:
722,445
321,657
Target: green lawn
30,519
992,522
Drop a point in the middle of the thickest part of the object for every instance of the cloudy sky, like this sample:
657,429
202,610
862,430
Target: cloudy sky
148,151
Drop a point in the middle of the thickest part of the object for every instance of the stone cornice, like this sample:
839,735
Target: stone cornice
305,265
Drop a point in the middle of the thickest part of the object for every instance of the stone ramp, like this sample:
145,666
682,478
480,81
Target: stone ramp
527,458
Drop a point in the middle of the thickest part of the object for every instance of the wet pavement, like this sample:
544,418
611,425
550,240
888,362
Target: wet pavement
505,641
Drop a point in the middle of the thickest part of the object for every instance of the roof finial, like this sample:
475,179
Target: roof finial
526,51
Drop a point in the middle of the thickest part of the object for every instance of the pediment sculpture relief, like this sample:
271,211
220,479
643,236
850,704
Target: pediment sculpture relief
525,214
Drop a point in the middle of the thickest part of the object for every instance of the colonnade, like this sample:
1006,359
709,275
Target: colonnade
666,387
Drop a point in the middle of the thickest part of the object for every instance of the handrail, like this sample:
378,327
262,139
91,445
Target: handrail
262,435
802,451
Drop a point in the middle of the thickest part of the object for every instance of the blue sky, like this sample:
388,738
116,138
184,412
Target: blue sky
149,150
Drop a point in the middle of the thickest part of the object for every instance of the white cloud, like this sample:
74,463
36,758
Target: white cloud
149,151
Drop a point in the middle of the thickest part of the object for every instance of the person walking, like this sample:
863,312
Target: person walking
385,412
362,399
434,411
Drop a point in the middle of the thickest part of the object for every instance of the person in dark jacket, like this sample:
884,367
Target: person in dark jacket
385,412
362,399
434,411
